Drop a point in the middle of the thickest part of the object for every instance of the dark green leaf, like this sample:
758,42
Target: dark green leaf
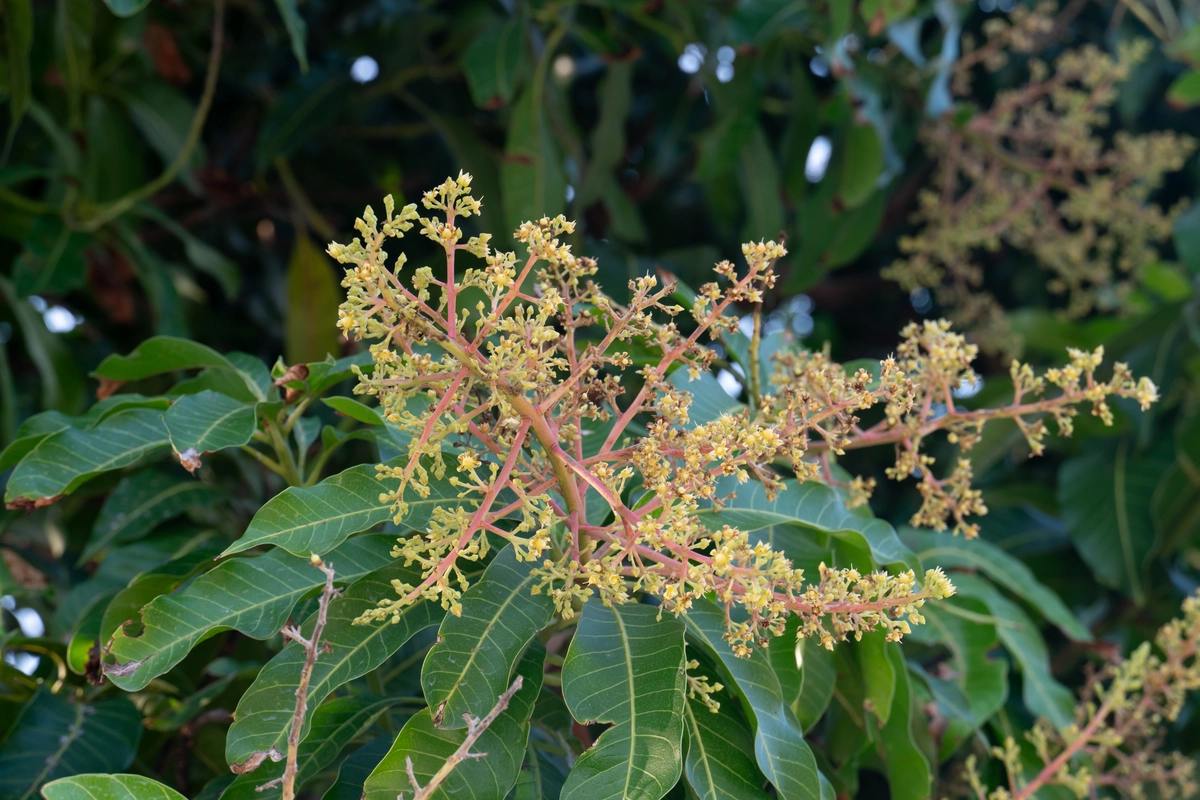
908,772
168,354
164,116
18,40
720,752
252,595
52,260
207,421
61,463
429,747
108,787
53,738
982,676
779,745
862,165
297,30
264,713
139,503
492,63
355,770
625,667
531,175
472,663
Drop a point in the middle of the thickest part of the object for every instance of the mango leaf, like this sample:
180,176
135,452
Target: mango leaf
720,752
207,421
1043,695
53,737
311,332
608,137
1184,91
61,380
1106,502
811,505
981,555
297,30
359,412
709,400
355,770
761,188
168,353
471,665
879,678
164,116
200,254
429,747
300,114
328,373
982,678
334,726
18,40
252,595
264,713
52,259
805,672
43,425
316,519
61,463
531,175
779,746
908,772
109,787
625,667
861,166
493,61
139,503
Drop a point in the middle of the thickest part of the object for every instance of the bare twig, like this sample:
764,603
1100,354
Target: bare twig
475,729
312,648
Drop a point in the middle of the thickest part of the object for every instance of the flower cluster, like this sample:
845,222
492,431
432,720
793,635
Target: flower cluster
1114,742
1034,172
596,471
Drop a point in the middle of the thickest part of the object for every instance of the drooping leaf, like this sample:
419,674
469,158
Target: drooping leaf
625,667
313,296
53,737
472,663
531,176
879,678
264,712
315,519
608,137
954,551
140,502
207,421
252,595
862,165
982,677
429,747
61,463
297,30
779,745
163,115
109,787
492,63
334,726
18,40
761,188
1106,502
908,772
167,354
720,752
810,505
1044,696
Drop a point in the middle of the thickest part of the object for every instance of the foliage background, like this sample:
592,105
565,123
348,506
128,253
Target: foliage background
672,130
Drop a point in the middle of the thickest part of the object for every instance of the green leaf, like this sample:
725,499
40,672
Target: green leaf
252,595
18,40
625,666
313,299
202,256
164,115
53,738
861,166
429,747
168,353
139,503
709,400
982,678
316,519
264,713
761,188
1184,91
126,8
61,463
355,770
879,678
1106,503
531,175
908,772
359,412
779,745
324,374
1043,695
334,726
811,505
472,663
297,30
62,382
608,137
493,61
52,260
207,421
720,752
108,787
806,674
981,555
